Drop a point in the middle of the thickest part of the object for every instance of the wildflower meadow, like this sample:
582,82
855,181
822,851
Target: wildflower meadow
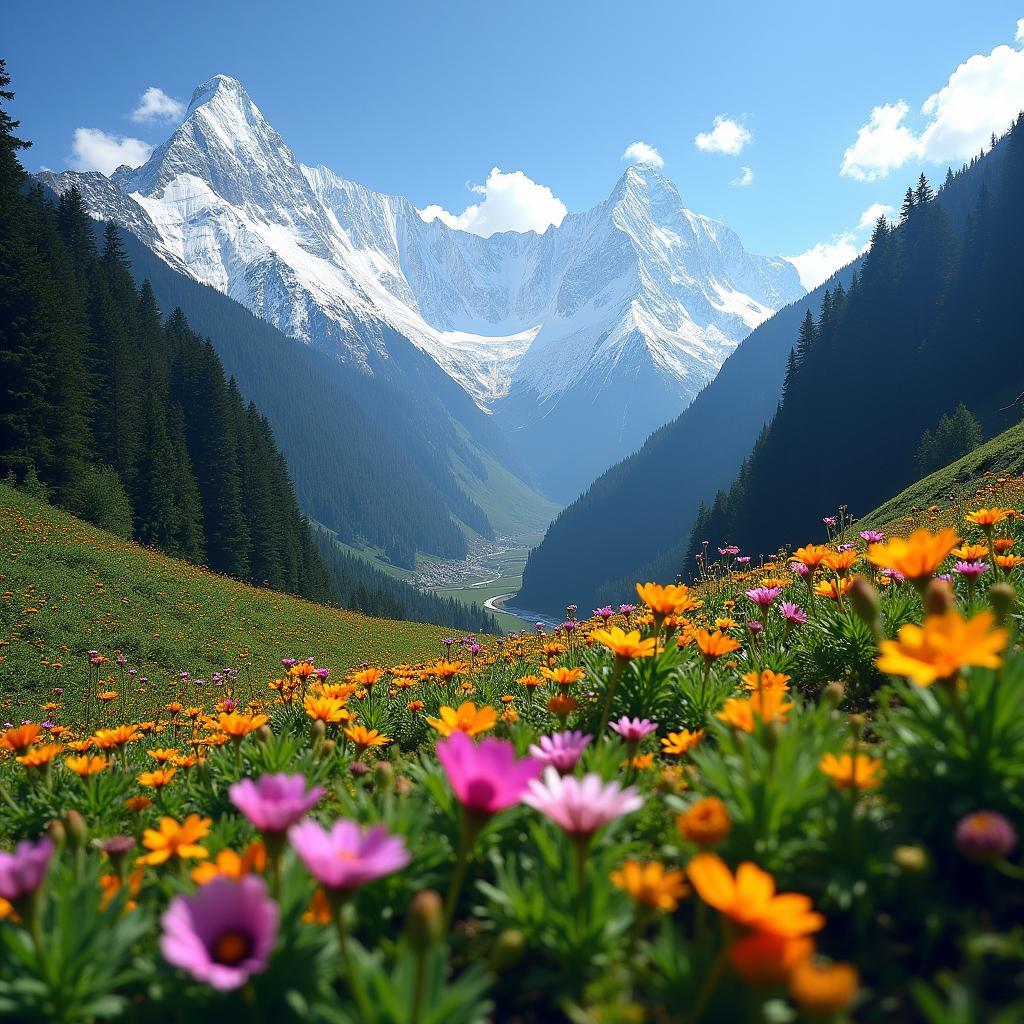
791,792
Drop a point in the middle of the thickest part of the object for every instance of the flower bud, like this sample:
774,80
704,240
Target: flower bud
508,948
938,598
263,734
328,748
985,836
1002,597
358,769
56,831
424,924
317,731
76,829
864,601
911,859
833,693
383,775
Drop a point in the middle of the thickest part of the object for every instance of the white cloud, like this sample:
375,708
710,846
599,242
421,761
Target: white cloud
641,153
1019,37
512,202
745,178
95,150
819,262
870,216
983,95
727,136
156,105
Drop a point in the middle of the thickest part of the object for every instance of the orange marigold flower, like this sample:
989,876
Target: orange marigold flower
562,705
767,705
444,669
706,823
119,736
972,552
625,645
174,839
326,709
918,556
986,518
841,562
1009,562
766,680
367,677
833,589
20,737
823,988
466,718
846,772
107,696
40,756
942,646
302,669
228,864
675,744
766,959
415,706
236,725
1003,544
673,599
136,804
158,778
84,765
162,754
715,645
363,737
562,675
811,555
651,884
749,898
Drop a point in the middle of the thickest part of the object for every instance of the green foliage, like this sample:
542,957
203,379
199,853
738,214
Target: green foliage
98,496
953,437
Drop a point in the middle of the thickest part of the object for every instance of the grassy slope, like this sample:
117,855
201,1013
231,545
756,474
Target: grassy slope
971,481
66,587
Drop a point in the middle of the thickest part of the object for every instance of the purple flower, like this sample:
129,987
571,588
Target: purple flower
729,549
604,613
764,597
946,577
561,750
580,806
223,933
972,570
288,662
487,777
894,574
755,626
22,871
985,836
829,520
872,536
346,856
793,613
634,730
849,546
570,625
627,609
273,803
743,559
800,569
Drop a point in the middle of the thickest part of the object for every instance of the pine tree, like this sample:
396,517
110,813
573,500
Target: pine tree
924,193
791,372
908,204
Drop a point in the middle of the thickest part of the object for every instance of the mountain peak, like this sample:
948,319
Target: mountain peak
220,87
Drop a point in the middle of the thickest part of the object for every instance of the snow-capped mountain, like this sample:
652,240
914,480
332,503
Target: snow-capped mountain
631,306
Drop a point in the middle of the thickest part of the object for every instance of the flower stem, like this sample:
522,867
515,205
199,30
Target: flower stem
708,988
468,832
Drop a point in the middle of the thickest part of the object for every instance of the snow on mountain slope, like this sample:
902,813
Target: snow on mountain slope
517,319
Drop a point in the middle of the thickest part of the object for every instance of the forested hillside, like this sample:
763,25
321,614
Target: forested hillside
659,490
931,321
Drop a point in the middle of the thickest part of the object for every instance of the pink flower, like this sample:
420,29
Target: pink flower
346,856
22,871
792,613
985,836
273,803
971,570
634,730
487,777
580,806
223,933
872,536
562,750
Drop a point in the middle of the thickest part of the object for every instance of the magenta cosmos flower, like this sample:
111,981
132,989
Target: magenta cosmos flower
634,730
273,803
580,806
872,536
561,751
764,597
985,836
792,613
486,777
345,856
223,933
971,570
22,871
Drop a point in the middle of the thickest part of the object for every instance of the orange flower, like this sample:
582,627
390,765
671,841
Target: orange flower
84,765
228,864
750,898
986,518
650,884
1009,562
715,645
111,886
158,778
766,680
833,589
625,645
319,910
120,736
136,804
972,552
302,670
562,705
562,675
162,754
326,709
40,756
767,705
20,737
368,677
841,562
675,744
444,669
823,988
465,719
766,959
363,737
238,726
847,772
918,556
942,646
812,555
671,600
1003,544
175,840
706,823
531,681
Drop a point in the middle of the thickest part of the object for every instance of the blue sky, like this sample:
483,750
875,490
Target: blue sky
810,115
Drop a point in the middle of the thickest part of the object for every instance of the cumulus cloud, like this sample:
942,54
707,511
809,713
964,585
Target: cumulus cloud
819,262
1019,37
870,216
511,202
95,150
983,95
743,179
156,106
642,153
726,136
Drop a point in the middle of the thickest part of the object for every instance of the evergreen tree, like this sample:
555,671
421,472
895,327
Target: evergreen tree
909,201
924,193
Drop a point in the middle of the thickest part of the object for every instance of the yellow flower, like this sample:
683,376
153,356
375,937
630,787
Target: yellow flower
918,556
158,778
971,552
83,765
465,719
175,840
986,518
676,744
625,645
706,823
846,772
650,884
562,675
531,681
832,589
942,646
326,709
